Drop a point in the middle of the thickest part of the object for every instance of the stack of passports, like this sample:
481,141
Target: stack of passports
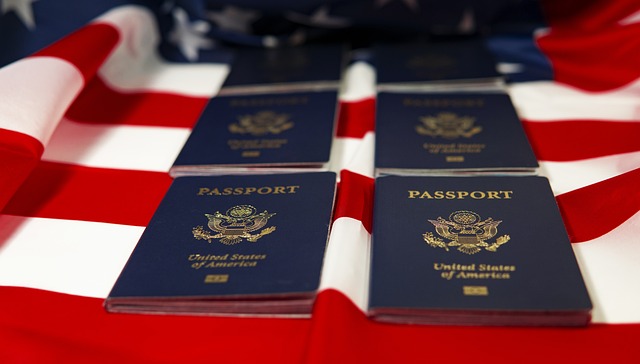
231,245
450,133
473,250
275,113
261,133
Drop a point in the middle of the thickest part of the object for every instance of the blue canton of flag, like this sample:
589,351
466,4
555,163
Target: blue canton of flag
196,30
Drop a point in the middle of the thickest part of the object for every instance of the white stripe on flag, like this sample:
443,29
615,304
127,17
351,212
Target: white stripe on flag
136,66
358,82
631,19
35,93
551,101
346,264
122,146
353,154
74,257
569,176
610,268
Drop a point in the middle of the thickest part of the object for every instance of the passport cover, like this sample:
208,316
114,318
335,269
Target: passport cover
265,130
310,64
429,62
473,250
450,132
231,245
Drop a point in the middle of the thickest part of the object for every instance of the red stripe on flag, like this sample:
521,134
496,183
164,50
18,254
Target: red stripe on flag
43,327
587,46
581,139
356,118
86,48
342,334
593,211
20,154
587,15
581,60
98,103
63,191
355,198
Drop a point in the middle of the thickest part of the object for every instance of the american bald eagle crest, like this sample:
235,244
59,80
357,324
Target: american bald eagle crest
236,224
448,125
261,123
467,231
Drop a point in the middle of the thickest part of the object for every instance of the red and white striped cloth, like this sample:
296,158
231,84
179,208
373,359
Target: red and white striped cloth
107,117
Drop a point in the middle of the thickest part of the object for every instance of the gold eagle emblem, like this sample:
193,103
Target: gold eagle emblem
467,231
236,224
448,125
261,123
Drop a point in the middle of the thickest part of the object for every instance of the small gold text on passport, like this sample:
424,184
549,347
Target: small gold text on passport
475,290
455,158
216,278
251,153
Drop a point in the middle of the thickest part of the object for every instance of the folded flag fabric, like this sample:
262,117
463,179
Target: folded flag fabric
92,117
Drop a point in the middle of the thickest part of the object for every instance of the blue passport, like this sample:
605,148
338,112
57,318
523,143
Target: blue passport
251,132
415,63
305,66
231,245
450,133
473,250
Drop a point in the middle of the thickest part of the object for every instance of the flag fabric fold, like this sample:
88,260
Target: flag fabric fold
90,125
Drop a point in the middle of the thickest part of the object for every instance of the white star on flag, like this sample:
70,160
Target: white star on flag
320,17
467,22
233,19
631,19
189,36
23,9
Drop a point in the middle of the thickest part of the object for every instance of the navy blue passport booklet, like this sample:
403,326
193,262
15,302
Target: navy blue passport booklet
231,245
254,132
473,251
450,133
312,66
441,63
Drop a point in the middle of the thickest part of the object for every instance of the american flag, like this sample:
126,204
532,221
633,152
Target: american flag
98,97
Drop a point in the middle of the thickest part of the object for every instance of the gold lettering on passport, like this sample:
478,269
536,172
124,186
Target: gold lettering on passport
198,261
451,271
235,191
460,195
448,125
475,290
251,154
235,225
466,231
454,148
236,144
216,278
